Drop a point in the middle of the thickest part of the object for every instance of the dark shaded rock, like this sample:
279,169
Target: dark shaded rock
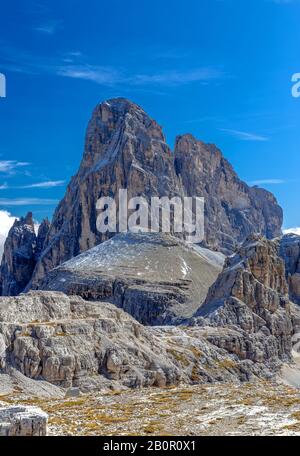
19,257
42,235
21,252
290,252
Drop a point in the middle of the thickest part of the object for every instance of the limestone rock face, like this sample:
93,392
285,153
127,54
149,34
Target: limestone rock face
233,209
155,277
21,251
290,252
251,294
21,421
69,342
125,148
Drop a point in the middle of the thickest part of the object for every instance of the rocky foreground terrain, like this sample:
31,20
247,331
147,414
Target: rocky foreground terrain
143,332
246,331
260,409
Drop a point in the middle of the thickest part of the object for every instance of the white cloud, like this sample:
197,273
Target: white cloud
10,166
245,136
6,222
268,181
98,74
107,75
292,230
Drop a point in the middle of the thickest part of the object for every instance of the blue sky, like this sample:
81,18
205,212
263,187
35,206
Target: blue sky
218,69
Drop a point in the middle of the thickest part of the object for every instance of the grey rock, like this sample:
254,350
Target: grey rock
156,278
23,421
72,392
124,148
72,343
233,210
290,252
251,296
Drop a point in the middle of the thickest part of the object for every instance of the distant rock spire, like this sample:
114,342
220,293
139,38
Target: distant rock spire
19,257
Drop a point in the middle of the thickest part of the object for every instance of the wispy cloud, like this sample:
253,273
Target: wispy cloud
10,166
6,202
49,28
98,74
175,77
74,65
47,184
108,75
244,136
268,182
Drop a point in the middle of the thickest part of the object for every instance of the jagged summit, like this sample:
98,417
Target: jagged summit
126,149
28,219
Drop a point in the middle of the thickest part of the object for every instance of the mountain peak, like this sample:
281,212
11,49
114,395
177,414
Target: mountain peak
125,149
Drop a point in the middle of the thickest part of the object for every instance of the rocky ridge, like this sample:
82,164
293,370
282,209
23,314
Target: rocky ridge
251,294
156,278
69,342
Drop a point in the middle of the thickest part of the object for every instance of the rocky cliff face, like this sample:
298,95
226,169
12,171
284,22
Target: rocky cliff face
67,341
124,148
233,210
21,251
290,252
251,294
